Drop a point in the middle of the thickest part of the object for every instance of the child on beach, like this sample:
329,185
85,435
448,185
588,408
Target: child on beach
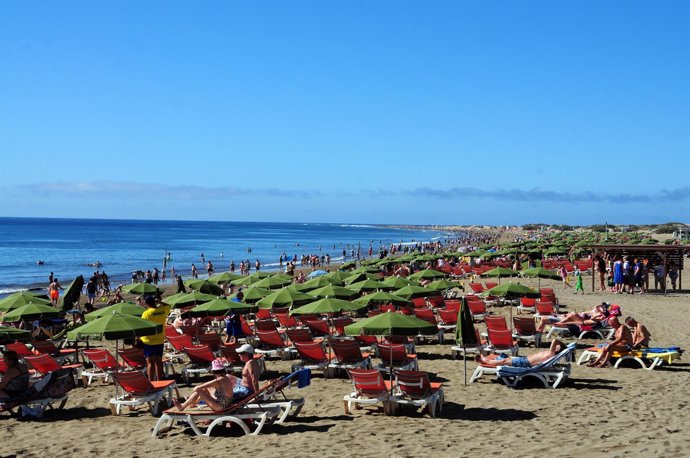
578,282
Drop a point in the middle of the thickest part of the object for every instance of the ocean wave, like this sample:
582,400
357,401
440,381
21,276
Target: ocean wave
358,225
11,290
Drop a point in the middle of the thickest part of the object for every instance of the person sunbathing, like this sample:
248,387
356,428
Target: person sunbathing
594,318
524,361
622,342
639,332
15,380
226,389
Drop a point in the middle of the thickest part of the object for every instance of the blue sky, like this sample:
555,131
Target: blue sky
438,112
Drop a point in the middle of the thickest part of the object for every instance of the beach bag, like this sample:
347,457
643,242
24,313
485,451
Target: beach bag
32,411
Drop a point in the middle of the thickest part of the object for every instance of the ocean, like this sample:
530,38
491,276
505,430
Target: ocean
68,246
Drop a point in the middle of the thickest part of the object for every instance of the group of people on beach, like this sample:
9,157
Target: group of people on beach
626,274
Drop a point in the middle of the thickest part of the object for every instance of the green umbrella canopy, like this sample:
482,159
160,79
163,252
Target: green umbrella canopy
205,286
500,272
320,282
286,297
365,270
126,308
361,276
369,262
116,326
274,282
328,305
396,282
381,297
366,285
141,288
224,277
181,300
10,334
540,272
253,294
31,312
391,324
348,265
16,300
427,274
219,307
338,275
72,293
442,285
413,291
464,331
512,290
250,279
475,254
333,291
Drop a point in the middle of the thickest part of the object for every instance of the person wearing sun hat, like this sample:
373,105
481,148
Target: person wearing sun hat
226,389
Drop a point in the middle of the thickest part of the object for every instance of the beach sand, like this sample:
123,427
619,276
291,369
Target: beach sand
601,412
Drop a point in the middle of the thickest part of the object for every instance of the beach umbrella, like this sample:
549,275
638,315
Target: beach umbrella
382,297
396,282
11,334
442,285
16,300
219,307
115,326
366,285
333,291
31,312
286,297
180,285
327,305
224,277
274,282
206,287
412,291
127,308
348,265
499,272
540,272
361,276
391,324
253,294
366,270
141,289
512,291
338,275
317,273
195,297
464,331
72,293
320,282
427,274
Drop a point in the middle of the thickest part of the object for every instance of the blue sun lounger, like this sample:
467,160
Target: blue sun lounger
552,373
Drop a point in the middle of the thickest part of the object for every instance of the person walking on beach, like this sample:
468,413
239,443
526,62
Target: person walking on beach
195,274
153,345
578,282
258,265
601,268
564,276
54,291
209,268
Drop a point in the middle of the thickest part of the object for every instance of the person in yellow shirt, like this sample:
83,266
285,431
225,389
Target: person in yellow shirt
153,344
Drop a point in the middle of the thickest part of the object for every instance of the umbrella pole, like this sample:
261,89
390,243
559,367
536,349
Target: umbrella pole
464,359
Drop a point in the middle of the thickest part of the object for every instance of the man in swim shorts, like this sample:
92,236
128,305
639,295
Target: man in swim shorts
524,361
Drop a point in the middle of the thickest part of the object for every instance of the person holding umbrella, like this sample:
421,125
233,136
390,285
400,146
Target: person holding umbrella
153,344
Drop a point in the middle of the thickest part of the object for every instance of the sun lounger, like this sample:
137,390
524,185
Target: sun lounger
46,393
274,395
647,358
348,355
104,364
551,373
398,356
581,332
61,355
200,358
249,408
313,358
272,343
44,364
370,389
414,388
139,390
526,330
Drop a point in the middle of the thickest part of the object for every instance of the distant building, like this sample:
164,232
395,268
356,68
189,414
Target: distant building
682,233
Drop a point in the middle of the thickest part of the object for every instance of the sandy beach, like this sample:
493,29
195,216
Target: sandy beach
601,412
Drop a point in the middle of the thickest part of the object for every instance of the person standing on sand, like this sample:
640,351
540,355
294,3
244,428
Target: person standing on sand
578,282
601,268
209,268
153,345
54,291
195,274
258,265
564,276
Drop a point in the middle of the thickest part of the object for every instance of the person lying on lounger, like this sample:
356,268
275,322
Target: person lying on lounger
622,342
226,389
594,318
524,361
639,332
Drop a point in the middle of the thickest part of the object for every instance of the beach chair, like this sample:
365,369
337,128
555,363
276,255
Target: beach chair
370,388
477,309
490,284
313,358
646,358
265,325
349,356
414,388
242,413
43,364
319,328
397,355
134,359
418,302
20,348
340,323
103,365
526,330
138,390
211,339
447,320
496,323
286,321
233,362
200,358
301,335
264,314
502,341
46,393
272,343
477,288
178,343
550,373
191,330
436,301
527,305
61,355
274,395
544,308
453,304
367,343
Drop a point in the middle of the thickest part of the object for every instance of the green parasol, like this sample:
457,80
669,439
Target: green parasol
413,291
219,307
251,295
10,334
16,300
224,277
206,287
142,288
273,282
286,297
442,285
427,274
366,285
396,282
126,308
333,291
327,305
72,293
181,300
320,282
31,312
114,327
381,297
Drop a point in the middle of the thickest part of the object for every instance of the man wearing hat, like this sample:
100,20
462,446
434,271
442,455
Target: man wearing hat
250,372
